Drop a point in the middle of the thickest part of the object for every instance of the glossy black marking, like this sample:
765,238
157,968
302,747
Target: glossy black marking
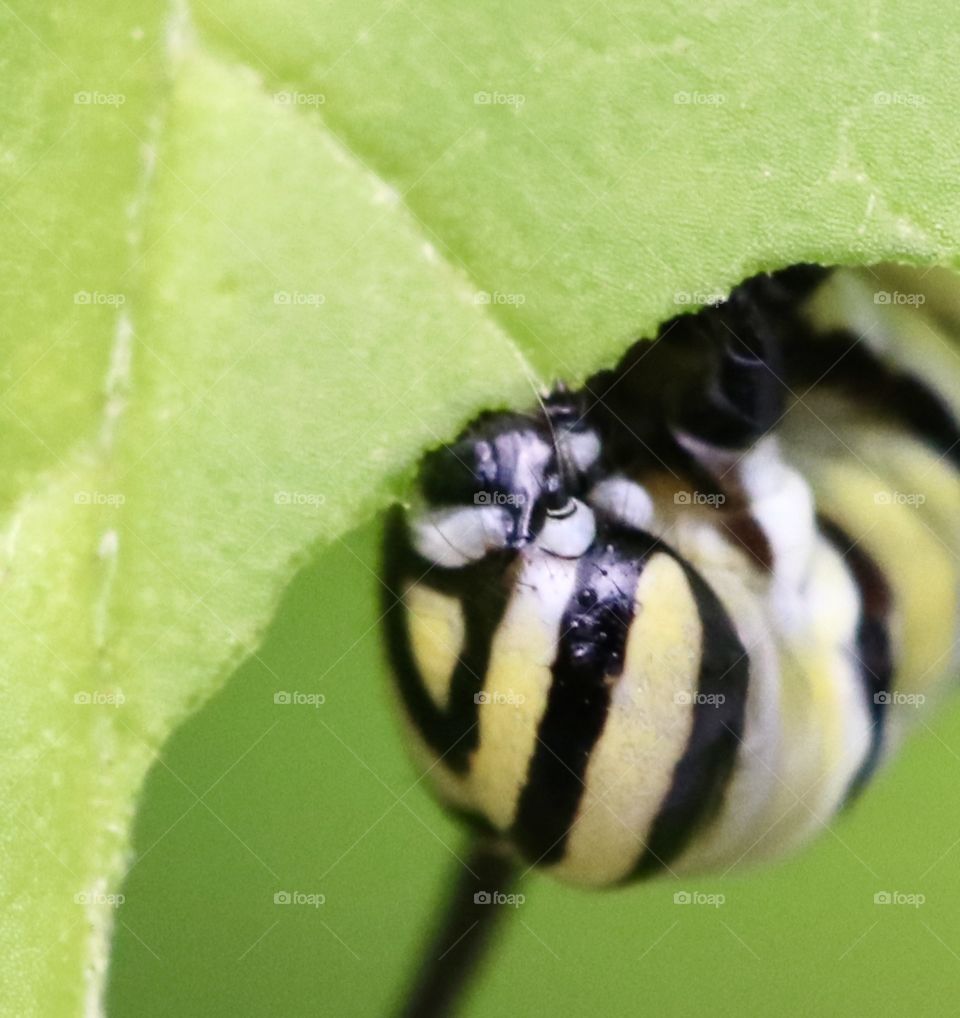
874,644
843,361
483,589
592,641
702,774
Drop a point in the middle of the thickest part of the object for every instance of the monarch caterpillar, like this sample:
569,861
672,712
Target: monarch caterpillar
674,620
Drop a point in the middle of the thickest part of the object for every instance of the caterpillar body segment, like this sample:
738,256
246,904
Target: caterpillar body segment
674,621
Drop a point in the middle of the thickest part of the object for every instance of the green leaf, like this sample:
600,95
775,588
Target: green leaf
256,259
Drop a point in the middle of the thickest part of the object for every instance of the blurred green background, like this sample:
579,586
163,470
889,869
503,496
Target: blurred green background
251,798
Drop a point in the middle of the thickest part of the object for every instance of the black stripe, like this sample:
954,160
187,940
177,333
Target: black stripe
483,589
844,361
590,652
702,774
874,647
734,511
748,533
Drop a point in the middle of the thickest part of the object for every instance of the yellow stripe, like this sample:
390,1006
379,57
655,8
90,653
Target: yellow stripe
646,731
919,564
436,627
518,682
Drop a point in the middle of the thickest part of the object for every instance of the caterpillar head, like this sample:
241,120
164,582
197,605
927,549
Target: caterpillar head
509,479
